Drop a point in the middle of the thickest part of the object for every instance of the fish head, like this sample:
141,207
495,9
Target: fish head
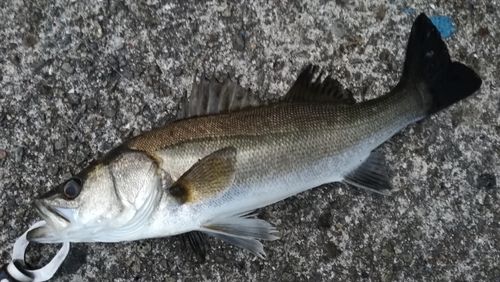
99,201
77,202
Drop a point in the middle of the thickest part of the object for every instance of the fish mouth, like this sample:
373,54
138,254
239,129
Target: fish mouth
55,222
47,212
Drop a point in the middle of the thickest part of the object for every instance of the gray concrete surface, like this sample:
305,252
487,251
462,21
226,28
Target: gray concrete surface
77,78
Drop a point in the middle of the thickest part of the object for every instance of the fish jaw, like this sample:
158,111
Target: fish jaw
43,234
62,225
56,217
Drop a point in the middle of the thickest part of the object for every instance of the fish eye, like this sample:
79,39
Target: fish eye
72,188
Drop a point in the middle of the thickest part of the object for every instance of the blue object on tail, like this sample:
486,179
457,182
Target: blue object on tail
444,24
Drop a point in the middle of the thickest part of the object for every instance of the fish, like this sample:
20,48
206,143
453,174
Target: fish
229,153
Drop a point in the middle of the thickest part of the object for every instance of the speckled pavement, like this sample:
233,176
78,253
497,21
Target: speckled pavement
79,77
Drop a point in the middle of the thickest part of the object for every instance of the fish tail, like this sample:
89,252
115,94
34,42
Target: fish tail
428,65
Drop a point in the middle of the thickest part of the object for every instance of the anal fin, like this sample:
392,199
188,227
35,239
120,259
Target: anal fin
371,175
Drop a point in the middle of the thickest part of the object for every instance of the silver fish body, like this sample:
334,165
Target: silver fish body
230,154
295,148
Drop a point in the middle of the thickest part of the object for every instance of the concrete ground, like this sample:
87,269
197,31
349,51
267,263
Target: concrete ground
79,77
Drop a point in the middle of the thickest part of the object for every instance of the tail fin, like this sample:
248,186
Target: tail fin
427,59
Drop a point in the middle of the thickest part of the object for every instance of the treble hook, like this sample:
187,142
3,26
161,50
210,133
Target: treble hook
17,271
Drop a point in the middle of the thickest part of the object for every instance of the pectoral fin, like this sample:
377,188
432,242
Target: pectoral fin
208,177
242,230
371,175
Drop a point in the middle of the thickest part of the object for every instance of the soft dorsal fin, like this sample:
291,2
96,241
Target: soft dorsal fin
329,90
210,96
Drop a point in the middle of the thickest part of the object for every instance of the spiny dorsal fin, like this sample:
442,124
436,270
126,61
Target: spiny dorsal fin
210,96
329,90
